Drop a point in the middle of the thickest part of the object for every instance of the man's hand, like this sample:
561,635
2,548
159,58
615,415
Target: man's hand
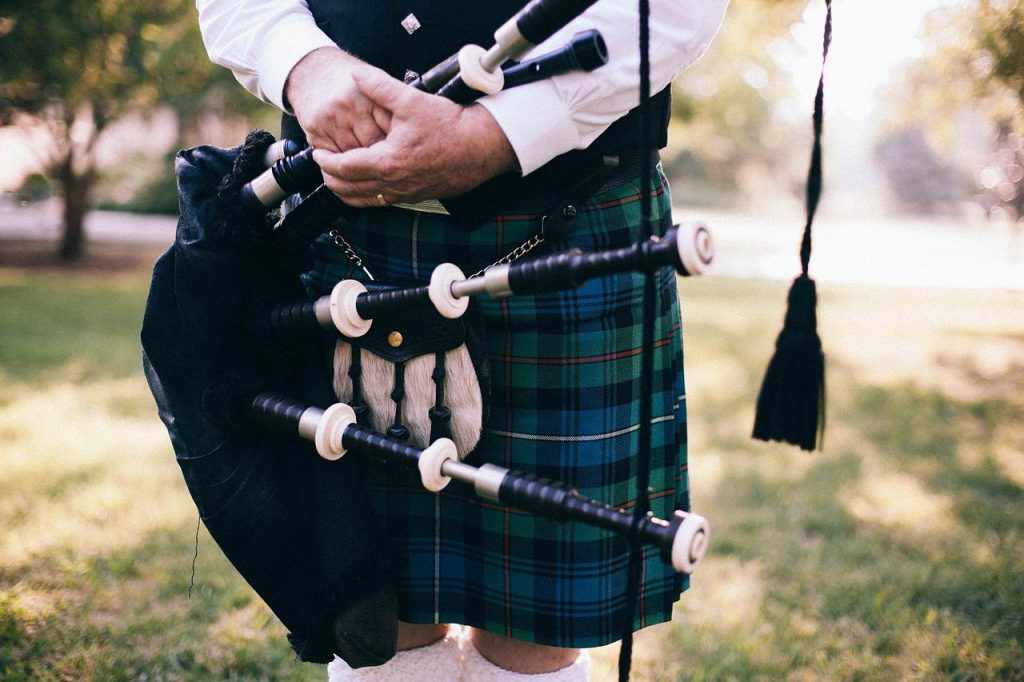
331,110
431,148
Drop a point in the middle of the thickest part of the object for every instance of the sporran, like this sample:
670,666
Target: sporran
415,376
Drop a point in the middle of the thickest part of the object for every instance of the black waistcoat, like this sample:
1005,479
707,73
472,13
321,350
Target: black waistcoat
372,30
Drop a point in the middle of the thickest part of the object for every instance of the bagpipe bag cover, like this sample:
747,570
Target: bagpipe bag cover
297,528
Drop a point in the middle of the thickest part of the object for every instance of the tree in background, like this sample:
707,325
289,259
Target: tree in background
970,83
1000,49
728,101
74,68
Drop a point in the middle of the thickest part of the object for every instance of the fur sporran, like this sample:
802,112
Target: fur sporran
417,376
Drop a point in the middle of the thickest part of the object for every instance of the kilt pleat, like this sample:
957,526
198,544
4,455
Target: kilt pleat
565,370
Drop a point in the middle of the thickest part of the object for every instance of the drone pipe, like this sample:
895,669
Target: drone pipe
531,26
586,51
350,308
688,248
682,538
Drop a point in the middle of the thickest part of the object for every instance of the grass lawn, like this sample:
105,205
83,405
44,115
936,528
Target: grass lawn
897,553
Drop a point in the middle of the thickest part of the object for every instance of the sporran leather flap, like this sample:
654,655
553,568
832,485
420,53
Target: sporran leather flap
415,377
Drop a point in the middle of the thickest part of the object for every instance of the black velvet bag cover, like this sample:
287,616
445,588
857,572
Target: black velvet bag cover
297,528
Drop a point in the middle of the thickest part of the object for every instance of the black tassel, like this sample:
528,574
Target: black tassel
791,405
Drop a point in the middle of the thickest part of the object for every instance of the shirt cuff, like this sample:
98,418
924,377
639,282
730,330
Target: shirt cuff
284,45
537,122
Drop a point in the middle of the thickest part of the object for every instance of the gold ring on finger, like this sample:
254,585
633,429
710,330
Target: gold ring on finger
381,201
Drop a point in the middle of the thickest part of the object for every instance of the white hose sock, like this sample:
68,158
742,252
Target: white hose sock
476,668
437,662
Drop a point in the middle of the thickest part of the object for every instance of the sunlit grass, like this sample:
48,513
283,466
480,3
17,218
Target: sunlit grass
897,553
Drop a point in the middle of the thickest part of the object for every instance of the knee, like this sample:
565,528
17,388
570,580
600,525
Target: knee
414,635
519,656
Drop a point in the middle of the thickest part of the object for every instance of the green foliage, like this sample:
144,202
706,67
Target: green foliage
159,197
971,74
113,57
157,194
76,67
35,187
100,54
727,100
1000,33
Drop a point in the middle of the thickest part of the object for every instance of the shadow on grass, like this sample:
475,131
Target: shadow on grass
898,553
126,615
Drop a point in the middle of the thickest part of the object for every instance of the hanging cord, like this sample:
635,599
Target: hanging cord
643,473
814,181
195,558
791,404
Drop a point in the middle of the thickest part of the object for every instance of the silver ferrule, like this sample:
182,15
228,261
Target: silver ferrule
275,152
468,287
322,310
266,189
488,481
496,281
308,422
460,471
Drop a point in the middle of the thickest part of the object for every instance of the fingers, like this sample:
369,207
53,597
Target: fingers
330,107
380,88
361,188
366,131
331,139
383,118
357,164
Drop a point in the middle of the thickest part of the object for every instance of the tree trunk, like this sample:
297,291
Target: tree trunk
76,189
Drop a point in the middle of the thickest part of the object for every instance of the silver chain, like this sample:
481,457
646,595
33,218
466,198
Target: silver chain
515,254
510,257
349,252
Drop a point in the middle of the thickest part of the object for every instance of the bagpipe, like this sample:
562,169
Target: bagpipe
238,417
350,309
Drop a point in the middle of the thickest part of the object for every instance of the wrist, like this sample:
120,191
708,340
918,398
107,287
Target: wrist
483,133
313,69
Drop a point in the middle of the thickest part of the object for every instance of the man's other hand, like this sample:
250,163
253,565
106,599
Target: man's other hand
431,148
331,110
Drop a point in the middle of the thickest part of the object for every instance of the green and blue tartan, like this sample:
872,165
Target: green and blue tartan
565,372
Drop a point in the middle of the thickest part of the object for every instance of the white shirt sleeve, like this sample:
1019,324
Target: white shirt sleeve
262,41
546,119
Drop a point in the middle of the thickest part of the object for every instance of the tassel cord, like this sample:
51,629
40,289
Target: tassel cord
791,403
814,173
643,502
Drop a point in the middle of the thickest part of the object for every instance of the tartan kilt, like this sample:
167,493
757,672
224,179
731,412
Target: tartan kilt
565,372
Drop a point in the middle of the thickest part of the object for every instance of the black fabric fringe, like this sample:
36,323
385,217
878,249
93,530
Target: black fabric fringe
233,225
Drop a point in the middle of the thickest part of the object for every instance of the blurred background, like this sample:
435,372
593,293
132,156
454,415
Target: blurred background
896,553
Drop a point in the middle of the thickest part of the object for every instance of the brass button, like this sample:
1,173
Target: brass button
395,339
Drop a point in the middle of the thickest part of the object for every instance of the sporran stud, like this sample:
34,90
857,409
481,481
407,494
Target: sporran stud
411,24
